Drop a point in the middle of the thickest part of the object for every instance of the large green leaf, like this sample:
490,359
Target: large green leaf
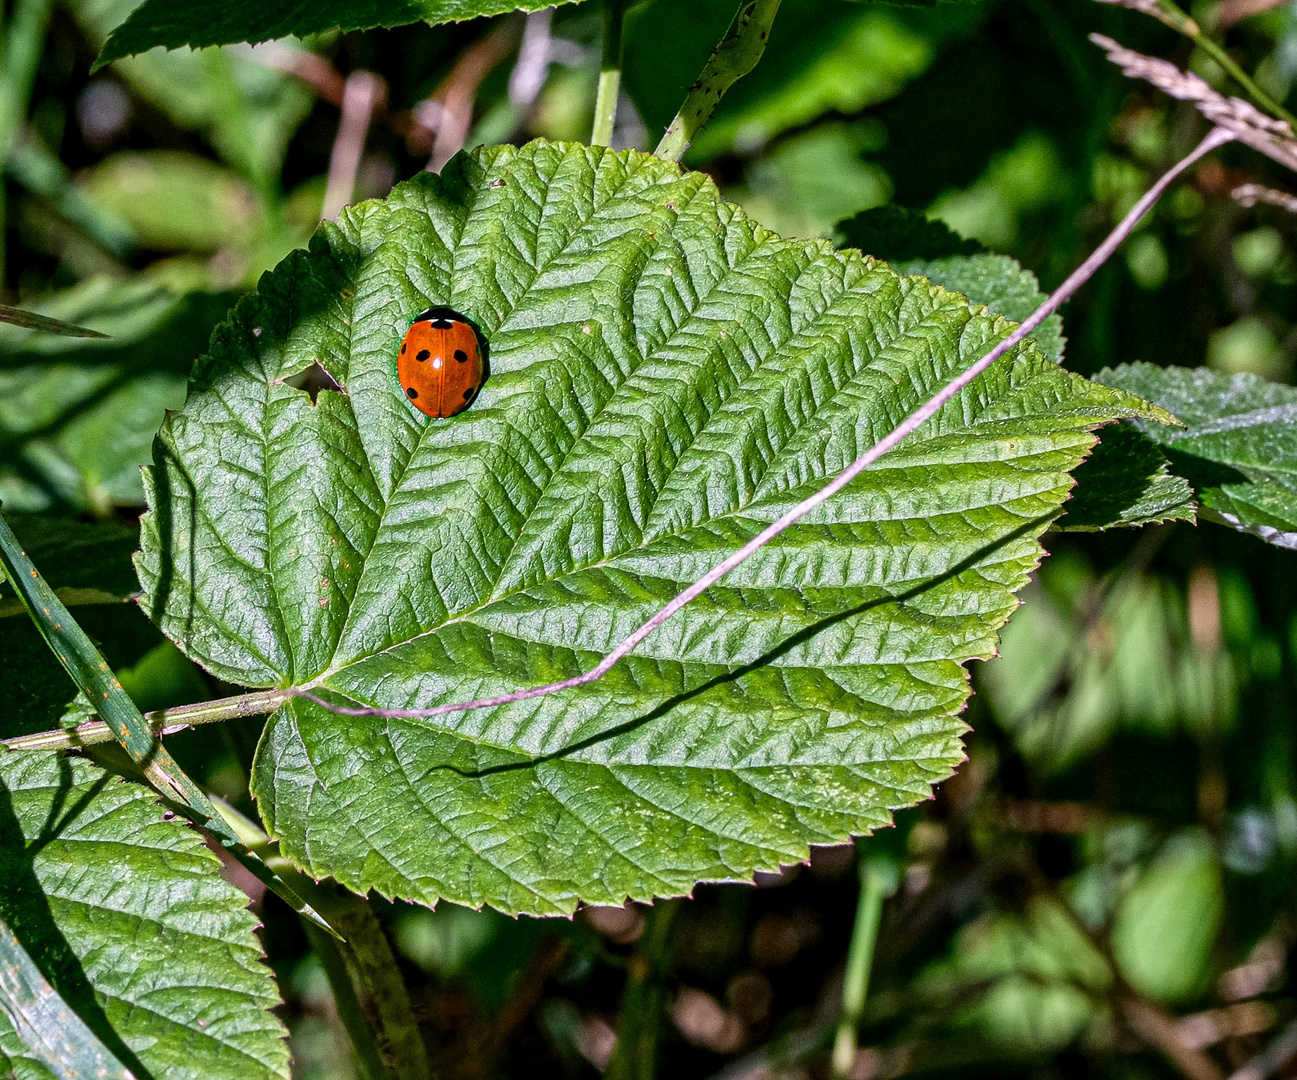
122,908
1238,447
195,23
666,378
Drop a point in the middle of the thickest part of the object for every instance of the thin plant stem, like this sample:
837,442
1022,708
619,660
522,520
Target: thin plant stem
1216,138
161,722
1170,13
737,54
350,1013
378,972
878,881
639,1029
373,965
605,103
91,674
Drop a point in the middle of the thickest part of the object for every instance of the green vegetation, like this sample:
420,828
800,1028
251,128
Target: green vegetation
714,253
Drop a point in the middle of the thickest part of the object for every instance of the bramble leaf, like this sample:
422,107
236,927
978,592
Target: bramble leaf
1238,447
175,24
667,377
125,913
1127,482
999,282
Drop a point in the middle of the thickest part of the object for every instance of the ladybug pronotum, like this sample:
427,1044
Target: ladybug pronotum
440,366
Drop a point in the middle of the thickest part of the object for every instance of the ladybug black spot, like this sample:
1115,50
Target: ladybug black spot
468,394
461,356
422,354
412,392
403,348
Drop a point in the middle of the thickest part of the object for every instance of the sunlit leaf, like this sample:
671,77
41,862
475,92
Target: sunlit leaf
195,23
666,378
1000,283
174,201
1165,927
124,910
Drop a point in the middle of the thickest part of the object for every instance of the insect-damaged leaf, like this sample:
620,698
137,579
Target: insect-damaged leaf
666,377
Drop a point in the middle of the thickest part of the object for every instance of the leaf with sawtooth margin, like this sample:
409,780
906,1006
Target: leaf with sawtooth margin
125,913
666,377
177,24
1238,445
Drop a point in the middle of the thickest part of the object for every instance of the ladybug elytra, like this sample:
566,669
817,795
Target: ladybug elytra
440,365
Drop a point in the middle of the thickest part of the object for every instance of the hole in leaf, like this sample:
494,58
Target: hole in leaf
312,379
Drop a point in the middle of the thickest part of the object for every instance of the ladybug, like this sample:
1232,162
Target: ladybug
440,366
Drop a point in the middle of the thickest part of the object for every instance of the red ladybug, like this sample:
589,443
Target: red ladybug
440,366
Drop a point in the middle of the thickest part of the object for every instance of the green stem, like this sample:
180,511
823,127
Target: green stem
644,999
94,678
605,104
878,881
350,1013
372,962
163,721
1169,12
380,975
736,55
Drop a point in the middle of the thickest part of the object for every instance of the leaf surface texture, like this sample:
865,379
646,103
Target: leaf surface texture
666,378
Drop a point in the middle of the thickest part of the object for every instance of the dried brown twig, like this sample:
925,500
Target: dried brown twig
362,93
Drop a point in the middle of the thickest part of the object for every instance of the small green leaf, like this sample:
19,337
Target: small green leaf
175,201
1238,447
666,379
1127,482
1000,283
196,23
824,57
1165,927
125,912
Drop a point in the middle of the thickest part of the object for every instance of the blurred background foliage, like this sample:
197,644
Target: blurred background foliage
1106,889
